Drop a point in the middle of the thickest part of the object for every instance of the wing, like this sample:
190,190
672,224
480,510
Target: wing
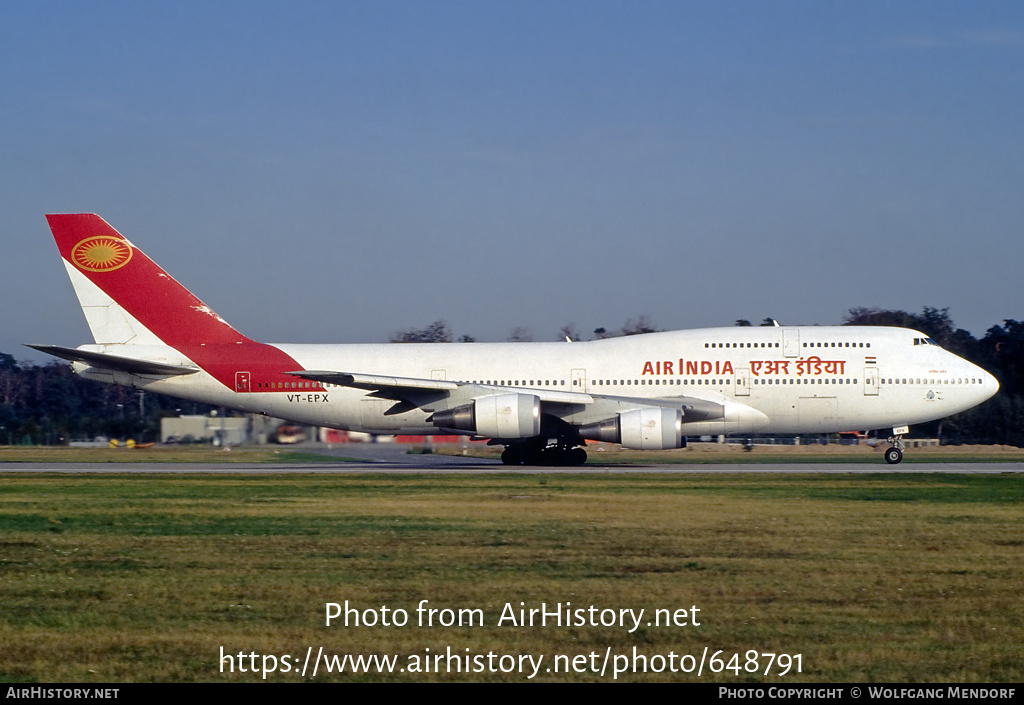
402,388
436,395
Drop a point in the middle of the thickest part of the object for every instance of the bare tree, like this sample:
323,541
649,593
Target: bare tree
569,331
436,332
519,334
638,325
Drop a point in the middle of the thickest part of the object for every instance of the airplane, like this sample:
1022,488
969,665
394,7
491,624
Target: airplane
542,401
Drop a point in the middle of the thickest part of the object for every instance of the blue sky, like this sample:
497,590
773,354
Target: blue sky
338,171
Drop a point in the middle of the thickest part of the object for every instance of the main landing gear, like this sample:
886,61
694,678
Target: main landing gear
894,454
534,454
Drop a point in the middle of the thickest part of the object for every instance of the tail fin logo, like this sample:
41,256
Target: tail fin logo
101,253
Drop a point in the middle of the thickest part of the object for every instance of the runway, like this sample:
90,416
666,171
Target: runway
392,459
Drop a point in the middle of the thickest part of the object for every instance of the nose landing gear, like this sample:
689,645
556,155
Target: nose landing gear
894,454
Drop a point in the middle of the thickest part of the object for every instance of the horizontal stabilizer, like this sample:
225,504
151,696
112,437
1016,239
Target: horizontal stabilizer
115,362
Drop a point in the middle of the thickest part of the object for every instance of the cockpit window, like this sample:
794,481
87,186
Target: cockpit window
925,341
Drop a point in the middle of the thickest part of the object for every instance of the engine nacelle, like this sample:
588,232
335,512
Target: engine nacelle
649,428
495,416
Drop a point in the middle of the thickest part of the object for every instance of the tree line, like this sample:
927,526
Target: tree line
1000,351
440,332
49,404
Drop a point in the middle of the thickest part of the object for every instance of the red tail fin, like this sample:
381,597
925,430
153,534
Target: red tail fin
128,299
132,281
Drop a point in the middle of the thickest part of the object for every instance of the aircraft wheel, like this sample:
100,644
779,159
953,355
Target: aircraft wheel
893,456
577,456
532,457
512,456
548,457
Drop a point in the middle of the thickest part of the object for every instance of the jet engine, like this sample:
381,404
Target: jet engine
495,416
649,428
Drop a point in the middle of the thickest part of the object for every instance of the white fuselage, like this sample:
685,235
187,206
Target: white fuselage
769,380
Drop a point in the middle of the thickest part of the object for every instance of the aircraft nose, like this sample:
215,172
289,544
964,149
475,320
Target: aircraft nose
992,383
989,385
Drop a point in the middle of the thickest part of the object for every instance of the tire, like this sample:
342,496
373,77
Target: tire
893,456
512,456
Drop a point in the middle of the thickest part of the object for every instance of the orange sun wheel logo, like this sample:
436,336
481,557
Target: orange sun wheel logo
101,254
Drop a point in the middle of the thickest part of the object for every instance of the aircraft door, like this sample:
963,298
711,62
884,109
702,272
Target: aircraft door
791,342
742,382
242,382
579,381
871,381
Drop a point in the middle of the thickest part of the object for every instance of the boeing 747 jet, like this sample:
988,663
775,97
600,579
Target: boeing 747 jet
542,401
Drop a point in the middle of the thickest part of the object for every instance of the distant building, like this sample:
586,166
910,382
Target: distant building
218,430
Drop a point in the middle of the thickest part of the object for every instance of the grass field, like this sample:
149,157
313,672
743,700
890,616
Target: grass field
118,578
